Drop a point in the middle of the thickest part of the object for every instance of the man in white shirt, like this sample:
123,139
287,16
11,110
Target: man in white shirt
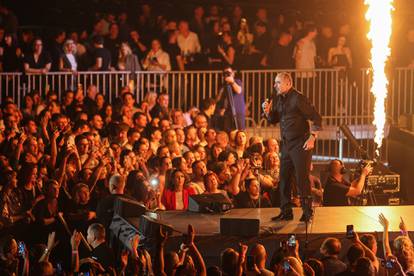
157,59
305,53
187,40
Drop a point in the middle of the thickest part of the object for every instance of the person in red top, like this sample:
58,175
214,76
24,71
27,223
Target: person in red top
175,196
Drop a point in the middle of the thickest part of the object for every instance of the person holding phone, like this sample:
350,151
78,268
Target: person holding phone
293,111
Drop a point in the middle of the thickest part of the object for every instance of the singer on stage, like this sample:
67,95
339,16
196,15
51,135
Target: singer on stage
293,111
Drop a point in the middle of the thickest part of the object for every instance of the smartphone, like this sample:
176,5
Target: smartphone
389,264
21,247
291,240
286,266
59,269
154,182
250,260
350,231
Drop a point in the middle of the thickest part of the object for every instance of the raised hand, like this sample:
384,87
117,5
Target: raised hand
75,240
383,220
402,226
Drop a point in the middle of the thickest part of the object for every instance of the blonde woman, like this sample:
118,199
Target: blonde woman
69,61
127,61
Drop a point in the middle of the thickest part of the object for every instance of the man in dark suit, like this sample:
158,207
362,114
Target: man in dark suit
293,111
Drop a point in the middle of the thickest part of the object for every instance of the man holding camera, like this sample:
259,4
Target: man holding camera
231,105
293,111
338,191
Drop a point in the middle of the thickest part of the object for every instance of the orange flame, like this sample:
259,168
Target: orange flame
379,17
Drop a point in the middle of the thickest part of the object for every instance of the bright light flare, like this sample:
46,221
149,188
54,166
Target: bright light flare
379,17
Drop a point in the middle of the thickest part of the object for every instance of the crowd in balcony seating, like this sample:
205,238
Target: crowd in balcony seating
63,163
206,40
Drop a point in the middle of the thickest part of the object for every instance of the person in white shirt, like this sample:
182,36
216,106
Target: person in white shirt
187,41
305,53
157,59
68,61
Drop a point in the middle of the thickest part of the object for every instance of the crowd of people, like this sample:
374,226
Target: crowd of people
206,39
63,164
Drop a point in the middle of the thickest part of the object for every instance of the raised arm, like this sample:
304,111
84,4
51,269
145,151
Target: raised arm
385,236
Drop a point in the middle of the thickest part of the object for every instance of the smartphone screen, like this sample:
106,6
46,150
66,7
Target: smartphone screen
350,231
286,266
21,248
292,240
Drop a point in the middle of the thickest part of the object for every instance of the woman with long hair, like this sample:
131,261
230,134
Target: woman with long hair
127,61
68,62
177,192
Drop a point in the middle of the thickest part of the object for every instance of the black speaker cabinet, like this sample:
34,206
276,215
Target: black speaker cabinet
209,203
126,208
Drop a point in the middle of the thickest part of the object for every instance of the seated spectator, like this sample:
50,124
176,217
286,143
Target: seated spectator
157,59
211,182
252,198
38,61
177,192
199,170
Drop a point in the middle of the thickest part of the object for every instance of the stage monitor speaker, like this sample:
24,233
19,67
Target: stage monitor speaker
126,207
123,231
239,227
209,203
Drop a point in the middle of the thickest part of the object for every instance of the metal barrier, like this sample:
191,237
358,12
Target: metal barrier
340,97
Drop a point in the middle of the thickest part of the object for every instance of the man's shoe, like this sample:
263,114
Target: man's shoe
306,218
284,216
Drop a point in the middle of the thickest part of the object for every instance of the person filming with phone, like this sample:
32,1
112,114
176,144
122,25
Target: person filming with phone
338,191
293,111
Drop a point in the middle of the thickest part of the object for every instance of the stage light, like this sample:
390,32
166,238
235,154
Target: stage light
379,17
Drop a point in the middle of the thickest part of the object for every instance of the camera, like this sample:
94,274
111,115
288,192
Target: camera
154,59
363,163
227,74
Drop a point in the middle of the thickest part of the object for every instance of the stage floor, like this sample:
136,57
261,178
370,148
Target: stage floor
327,220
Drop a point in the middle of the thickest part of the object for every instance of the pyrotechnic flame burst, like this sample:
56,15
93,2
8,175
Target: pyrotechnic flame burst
379,17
